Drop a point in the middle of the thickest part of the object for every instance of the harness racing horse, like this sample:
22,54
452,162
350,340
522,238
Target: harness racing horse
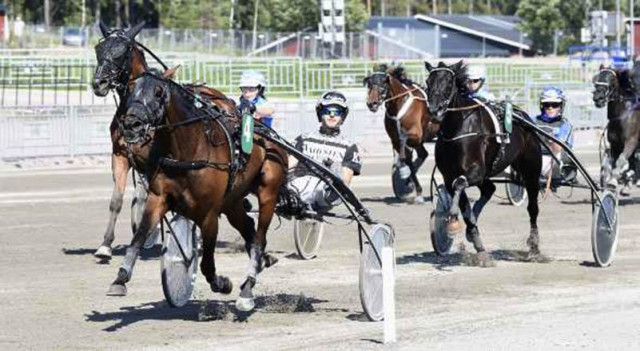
120,60
468,153
407,119
614,88
194,171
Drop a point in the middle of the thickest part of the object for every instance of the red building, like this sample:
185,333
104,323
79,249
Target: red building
3,18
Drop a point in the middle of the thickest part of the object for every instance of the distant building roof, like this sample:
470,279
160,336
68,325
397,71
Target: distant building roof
501,29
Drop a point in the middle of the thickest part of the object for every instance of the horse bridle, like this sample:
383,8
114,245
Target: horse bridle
608,95
453,90
383,89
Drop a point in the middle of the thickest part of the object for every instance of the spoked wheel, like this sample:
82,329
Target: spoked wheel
516,193
307,235
371,271
179,261
440,240
604,234
402,188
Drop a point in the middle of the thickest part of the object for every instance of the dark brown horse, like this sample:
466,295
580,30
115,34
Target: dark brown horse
407,119
194,172
614,88
468,152
120,61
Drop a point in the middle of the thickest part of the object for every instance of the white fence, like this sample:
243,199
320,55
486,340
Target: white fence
84,130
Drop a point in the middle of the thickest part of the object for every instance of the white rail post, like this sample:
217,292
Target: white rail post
388,295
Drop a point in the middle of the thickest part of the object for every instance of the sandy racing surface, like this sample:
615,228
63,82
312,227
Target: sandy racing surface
53,291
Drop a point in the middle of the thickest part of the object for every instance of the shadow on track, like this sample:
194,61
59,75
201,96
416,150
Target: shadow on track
205,310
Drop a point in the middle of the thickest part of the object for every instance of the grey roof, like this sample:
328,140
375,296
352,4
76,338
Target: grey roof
498,28
396,22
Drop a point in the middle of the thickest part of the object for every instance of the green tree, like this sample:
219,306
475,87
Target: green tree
356,16
540,20
292,15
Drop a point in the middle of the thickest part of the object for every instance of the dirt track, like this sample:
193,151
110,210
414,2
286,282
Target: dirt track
53,291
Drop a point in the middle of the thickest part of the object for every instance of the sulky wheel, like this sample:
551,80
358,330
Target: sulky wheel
440,240
516,193
307,235
179,261
371,271
604,234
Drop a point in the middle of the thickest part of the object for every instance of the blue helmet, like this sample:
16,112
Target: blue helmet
552,94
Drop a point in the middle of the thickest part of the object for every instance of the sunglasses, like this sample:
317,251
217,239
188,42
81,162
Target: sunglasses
551,105
249,89
475,80
332,112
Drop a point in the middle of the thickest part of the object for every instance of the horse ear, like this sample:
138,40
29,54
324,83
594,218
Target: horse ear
104,29
601,67
365,81
171,72
428,66
458,65
131,33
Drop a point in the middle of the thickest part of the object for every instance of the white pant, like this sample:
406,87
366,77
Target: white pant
549,164
312,191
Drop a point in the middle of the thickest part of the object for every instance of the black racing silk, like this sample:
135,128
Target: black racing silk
333,151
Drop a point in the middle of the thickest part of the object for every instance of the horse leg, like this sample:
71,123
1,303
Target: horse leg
471,220
209,228
155,209
457,186
415,166
119,168
267,197
622,162
533,190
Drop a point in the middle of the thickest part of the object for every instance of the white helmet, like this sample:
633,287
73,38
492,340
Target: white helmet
252,78
476,72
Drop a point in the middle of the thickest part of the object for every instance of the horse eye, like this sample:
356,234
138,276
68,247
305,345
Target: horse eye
159,91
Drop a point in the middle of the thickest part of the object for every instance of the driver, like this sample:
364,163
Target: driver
328,147
476,78
552,101
252,86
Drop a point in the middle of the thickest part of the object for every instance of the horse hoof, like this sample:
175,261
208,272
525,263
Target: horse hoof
245,304
454,228
420,200
269,260
484,260
117,290
223,285
103,253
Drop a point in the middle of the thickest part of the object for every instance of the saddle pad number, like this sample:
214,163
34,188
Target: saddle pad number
247,133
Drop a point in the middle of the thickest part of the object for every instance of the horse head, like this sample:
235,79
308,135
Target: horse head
377,84
606,84
113,54
147,105
443,83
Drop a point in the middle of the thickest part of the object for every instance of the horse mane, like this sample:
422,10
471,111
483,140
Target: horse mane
461,76
624,80
400,73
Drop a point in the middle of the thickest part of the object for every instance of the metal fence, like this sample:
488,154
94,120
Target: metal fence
44,80
69,130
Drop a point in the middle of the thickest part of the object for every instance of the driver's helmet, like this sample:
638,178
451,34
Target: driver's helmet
475,72
550,95
332,102
253,79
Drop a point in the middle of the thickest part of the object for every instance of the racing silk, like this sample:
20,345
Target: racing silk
260,101
333,151
483,93
560,128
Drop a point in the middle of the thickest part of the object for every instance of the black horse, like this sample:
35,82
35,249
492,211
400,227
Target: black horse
615,88
468,153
